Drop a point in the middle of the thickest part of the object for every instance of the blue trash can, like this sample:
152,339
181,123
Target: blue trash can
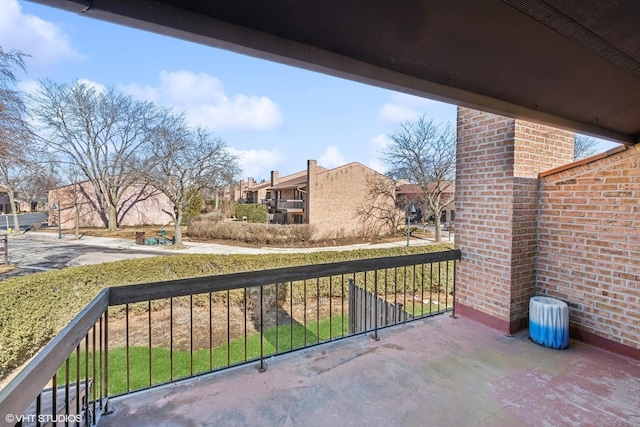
549,322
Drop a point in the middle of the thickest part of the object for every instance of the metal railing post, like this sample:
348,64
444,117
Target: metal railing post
263,366
107,410
453,311
375,305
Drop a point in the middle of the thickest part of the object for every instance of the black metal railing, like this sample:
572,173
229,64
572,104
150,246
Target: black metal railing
66,382
290,204
135,337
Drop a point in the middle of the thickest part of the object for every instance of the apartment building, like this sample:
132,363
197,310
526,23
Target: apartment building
329,199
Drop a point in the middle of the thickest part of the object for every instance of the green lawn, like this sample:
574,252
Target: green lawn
418,309
34,308
203,360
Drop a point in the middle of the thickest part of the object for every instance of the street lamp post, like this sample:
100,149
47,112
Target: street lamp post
57,207
411,210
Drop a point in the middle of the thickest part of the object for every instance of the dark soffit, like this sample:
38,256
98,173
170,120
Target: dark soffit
574,64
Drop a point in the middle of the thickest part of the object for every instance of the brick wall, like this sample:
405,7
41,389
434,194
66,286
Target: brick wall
334,199
498,161
589,247
138,207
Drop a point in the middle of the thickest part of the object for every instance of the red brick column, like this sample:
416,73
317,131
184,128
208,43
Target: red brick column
498,161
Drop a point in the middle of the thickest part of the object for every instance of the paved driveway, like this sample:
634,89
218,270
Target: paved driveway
33,254
25,220
34,251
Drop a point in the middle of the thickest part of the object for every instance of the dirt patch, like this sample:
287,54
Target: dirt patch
209,326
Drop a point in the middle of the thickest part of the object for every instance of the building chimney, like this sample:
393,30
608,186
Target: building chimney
311,183
251,182
275,178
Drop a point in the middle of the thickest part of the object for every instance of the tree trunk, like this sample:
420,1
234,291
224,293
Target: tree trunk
16,224
178,231
112,224
76,207
77,220
436,220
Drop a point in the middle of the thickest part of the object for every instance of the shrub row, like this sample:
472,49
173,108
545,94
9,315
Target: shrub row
206,227
34,308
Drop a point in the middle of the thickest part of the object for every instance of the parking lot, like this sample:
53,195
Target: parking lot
32,252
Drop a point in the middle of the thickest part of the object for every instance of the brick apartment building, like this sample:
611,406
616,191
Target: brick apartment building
140,205
530,221
412,193
589,244
328,199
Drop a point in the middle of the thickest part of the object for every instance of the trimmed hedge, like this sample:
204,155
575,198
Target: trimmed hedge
36,307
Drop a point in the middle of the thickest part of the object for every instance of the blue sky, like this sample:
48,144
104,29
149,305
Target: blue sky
275,117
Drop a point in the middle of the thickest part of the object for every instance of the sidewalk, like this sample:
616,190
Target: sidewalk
213,248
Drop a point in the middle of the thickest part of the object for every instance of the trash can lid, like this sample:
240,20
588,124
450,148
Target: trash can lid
548,301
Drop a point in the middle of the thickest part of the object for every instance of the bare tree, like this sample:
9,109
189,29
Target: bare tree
187,161
105,133
35,186
584,147
424,152
379,208
15,172
14,129
15,135
74,197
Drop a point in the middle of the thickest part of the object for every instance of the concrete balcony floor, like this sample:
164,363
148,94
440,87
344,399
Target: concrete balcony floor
438,371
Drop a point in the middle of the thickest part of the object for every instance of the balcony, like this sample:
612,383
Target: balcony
139,337
284,205
290,205
269,203
369,342
438,371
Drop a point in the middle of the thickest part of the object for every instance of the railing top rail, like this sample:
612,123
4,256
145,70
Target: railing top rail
22,390
182,287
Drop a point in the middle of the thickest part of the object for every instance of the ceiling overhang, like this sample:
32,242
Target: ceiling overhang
572,64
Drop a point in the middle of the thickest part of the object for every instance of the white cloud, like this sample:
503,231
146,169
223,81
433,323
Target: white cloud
259,163
45,41
378,144
331,158
403,107
395,113
30,87
377,165
95,86
203,98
